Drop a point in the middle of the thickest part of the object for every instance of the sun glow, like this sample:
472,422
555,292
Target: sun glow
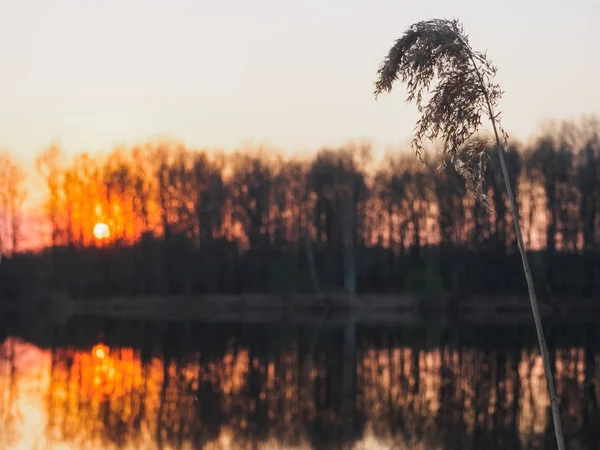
100,351
101,231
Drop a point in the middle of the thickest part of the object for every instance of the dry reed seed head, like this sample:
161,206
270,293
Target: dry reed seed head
438,49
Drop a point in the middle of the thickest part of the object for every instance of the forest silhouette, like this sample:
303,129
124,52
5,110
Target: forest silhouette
185,221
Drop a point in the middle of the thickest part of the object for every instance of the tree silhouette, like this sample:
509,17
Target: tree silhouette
197,221
12,197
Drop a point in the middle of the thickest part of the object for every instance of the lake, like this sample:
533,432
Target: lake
98,383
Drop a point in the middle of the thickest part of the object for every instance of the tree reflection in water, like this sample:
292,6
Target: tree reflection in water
110,385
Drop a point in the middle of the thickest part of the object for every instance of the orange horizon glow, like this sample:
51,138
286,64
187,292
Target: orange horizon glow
119,196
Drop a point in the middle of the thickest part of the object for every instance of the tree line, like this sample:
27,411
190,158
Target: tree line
193,221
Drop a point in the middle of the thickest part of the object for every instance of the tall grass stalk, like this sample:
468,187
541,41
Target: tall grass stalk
464,92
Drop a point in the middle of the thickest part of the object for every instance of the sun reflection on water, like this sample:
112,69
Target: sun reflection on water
108,397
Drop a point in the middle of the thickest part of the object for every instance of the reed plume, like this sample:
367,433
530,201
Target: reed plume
438,52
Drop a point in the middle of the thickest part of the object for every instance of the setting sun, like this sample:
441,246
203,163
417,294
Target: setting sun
101,231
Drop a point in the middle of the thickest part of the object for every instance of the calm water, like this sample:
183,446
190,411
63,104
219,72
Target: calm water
105,384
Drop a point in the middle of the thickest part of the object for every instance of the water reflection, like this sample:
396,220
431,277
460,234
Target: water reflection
132,385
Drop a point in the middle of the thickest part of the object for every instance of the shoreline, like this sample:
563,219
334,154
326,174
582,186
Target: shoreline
258,308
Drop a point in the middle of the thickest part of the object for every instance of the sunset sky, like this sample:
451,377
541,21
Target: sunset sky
296,75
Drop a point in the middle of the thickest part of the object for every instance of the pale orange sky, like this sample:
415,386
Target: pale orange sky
295,75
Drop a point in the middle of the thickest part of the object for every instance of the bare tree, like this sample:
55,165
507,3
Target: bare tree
12,196
49,167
